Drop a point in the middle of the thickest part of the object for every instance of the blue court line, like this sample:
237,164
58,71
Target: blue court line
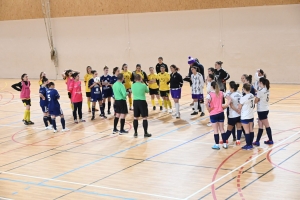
124,150
63,188
200,136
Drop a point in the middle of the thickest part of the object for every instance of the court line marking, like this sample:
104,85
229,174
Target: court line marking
2,198
265,151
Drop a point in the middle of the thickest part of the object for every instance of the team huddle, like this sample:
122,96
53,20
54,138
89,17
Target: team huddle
114,92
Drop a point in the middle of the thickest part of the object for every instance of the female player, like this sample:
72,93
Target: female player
87,77
138,70
127,79
24,88
210,78
221,75
76,97
246,108
94,85
176,83
153,88
259,74
42,76
67,76
164,89
113,79
54,107
248,79
44,104
106,89
262,101
216,111
234,118
197,91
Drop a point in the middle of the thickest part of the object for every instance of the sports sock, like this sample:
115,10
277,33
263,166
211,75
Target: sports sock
45,119
63,122
251,137
228,133
165,104
177,107
224,137
233,132
135,125
259,134
116,120
239,134
28,115
54,123
25,115
202,107
145,126
196,106
89,104
103,105
159,102
122,124
102,109
269,133
49,120
152,102
170,104
130,102
217,138
93,110
109,105
248,139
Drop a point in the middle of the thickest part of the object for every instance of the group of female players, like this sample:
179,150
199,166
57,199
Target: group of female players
99,89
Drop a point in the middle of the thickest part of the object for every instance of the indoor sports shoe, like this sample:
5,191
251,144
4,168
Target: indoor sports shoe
135,135
194,113
202,114
208,124
108,112
160,108
82,120
154,107
48,128
246,147
75,121
256,143
170,110
238,142
123,132
93,117
65,130
103,116
164,110
216,147
26,123
269,142
177,115
225,146
147,135
115,131
54,131
30,123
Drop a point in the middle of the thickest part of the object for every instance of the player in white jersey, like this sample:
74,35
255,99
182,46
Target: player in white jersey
210,78
246,108
197,91
259,74
262,100
234,117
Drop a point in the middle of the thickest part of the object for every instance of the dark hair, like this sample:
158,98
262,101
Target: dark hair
161,58
120,77
265,82
105,67
115,69
215,85
67,72
263,73
151,67
211,76
249,78
137,77
174,66
194,67
75,74
219,63
123,66
138,65
247,87
23,75
87,69
93,71
50,84
44,80
234,85
41,75
212,69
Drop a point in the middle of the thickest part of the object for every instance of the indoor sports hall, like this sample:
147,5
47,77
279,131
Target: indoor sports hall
175,155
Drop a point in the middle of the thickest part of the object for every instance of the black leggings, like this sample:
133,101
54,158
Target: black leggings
78,106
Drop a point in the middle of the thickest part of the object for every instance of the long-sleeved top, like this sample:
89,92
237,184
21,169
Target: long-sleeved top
221,76
18,86
75,88
200,69
176,80
158,66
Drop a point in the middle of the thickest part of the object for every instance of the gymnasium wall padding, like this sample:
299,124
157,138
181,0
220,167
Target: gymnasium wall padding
245,39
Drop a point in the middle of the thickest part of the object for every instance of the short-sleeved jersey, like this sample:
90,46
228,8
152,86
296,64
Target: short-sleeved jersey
113,79
164,80
152,77
95,90
87,77
263,104
235,99
248,106
208,87
43,91
127,79
197,83
105,79
53,97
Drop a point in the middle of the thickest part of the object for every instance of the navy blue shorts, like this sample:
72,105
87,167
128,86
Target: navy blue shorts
96,97
263,115
217,118
176,93
233,121
107,93
56,112
246,121
44,108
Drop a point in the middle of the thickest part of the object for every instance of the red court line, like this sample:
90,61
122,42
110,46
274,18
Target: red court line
9,100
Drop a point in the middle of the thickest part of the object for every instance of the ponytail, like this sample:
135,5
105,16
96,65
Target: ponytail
216,87
265,82
234,85
249,79
174,67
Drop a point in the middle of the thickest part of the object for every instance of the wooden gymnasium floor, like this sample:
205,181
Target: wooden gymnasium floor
176,163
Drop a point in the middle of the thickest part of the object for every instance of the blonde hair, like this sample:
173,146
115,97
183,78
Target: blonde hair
216,87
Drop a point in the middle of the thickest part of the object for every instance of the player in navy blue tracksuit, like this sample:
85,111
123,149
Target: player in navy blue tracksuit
44,104
106,89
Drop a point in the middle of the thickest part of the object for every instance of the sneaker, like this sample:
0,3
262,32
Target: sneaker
65,130
93,117
256,143
123,132
75,121
160,108
234,139
225,146
54,131
177,115
108,112
170,110
247,147
48,128
164,110
208,124
103,116
82,120
26,123
135,135
269,142
194,113
147,135
154,107
115,131
90,110
202,114
216,147
238,142
30,123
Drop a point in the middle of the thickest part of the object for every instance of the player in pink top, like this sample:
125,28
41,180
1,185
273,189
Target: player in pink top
24,88
76,96
215,108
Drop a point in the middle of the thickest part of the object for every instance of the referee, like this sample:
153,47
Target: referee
121,109
140,105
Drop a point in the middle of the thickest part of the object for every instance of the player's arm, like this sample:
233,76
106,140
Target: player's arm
17,86
208,99
41,95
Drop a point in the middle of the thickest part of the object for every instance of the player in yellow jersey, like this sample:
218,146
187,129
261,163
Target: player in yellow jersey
164,88
127,82
42,76
87,78
140,72
153,88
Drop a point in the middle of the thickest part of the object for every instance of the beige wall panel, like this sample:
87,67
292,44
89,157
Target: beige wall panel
245,39
31,9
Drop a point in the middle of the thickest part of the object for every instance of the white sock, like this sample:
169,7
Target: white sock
196,106
202,107
177,107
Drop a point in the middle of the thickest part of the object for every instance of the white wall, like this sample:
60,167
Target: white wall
253,37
